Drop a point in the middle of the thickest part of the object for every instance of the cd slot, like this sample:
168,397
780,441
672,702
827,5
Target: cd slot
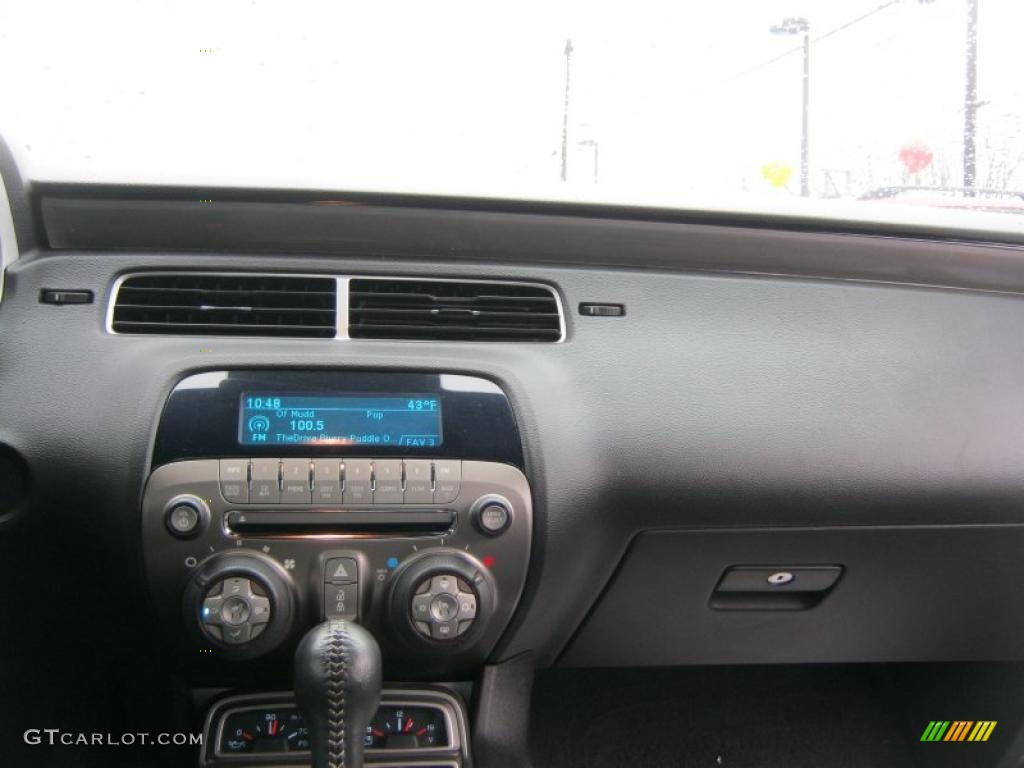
289,522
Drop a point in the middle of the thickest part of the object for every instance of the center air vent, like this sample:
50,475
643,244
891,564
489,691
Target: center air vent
227,304
450,310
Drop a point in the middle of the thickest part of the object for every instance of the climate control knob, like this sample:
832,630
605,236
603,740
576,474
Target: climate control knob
442,598
235,610
444,606
242,603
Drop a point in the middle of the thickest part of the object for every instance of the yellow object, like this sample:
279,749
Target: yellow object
777,174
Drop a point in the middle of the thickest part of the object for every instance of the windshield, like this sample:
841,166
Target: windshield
907,110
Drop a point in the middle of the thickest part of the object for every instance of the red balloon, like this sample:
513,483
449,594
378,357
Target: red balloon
916,156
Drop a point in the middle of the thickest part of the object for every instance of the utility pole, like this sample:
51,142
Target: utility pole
565,111
971,97
796,25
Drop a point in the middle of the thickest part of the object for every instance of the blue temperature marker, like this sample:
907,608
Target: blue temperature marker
392,562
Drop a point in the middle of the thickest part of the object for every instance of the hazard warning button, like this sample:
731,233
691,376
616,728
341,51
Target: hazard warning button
341,570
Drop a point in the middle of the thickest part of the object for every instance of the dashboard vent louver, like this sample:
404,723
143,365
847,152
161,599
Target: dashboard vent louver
449,310
227,304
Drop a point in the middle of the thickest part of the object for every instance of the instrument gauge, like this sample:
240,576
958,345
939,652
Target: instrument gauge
399,727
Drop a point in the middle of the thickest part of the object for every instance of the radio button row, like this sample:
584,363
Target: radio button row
340,481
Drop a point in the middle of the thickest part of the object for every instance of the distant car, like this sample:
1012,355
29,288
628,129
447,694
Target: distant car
966,198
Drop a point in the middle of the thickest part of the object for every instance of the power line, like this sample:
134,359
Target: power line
819,38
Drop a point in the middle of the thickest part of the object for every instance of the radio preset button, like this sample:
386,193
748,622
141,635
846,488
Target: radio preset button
418,487
234,480
357,481
387,481
295,481
265,485
447,480
326,481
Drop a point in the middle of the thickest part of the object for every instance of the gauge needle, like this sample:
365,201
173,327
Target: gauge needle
377,732
274,727
248,736
408,726
421,731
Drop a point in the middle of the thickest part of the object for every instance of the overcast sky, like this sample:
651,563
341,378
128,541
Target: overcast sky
462,96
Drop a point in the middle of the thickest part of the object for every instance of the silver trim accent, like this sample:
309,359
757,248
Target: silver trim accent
8,238
430,698
341,301
341,309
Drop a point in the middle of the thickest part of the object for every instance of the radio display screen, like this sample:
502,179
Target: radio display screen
412,421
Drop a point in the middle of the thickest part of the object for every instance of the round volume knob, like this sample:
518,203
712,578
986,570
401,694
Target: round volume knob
441,599
185,516
242,603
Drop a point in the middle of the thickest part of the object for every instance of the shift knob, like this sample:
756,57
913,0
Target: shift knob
337,689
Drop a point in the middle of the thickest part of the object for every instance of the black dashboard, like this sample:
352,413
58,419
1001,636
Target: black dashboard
793,444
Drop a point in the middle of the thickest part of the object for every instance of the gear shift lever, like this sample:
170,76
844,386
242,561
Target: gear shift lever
337,689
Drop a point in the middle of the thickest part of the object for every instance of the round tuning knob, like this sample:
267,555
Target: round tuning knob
242,603
442,599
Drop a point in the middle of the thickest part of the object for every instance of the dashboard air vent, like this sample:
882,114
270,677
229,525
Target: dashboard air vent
452,311
226,304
